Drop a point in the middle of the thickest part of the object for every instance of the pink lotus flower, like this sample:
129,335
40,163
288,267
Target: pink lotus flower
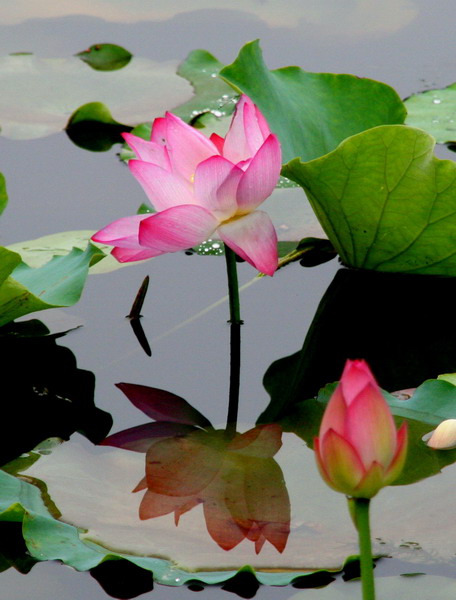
201,187
359,450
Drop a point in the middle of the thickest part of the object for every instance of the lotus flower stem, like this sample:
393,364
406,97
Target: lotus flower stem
235,341
233,286
359,508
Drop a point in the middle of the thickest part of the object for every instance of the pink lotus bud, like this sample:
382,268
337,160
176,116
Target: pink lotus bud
359,450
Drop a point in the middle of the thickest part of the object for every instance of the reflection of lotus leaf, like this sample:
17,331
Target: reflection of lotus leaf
39,95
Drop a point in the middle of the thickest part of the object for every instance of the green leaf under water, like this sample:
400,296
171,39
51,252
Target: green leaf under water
105,57
385,201
435,112
312,112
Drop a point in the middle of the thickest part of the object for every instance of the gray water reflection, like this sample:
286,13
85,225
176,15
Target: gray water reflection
402,43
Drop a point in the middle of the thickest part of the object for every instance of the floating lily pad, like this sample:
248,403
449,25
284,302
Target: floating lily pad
105,57
321,109
38,94
49,539
435,112
385,201
79,477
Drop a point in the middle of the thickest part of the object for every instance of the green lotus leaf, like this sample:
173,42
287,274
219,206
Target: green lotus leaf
435,112
105,57
36,253
312,112
385,201
59,282
212,94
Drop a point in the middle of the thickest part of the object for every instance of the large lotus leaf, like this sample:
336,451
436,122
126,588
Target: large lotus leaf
36,253
385,201
435,112
312,112
51,539
57,283
212,94
432,402
38,94
91,486
418,587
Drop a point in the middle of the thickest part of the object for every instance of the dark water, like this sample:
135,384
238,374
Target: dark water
55,186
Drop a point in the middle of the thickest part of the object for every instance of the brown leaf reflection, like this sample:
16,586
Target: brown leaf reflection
236,479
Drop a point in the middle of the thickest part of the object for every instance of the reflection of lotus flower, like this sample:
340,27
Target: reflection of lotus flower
359,450
200,186
236,479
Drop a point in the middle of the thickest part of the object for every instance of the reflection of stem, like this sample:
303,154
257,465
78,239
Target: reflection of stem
235,341
359,507
235,370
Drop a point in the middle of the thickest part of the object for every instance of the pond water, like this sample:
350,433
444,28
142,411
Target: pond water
56,186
